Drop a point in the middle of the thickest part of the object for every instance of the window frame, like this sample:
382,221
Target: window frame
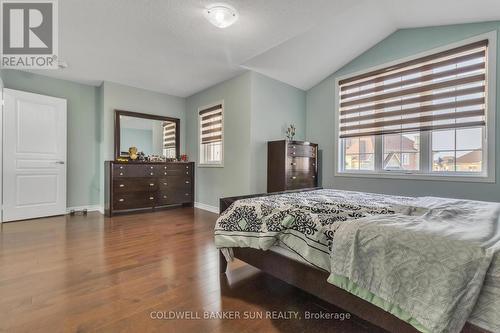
425,173
204,164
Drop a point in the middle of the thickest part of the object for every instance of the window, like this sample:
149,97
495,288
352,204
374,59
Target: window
169,134
458,150
211,135
359,153
401,151
427,116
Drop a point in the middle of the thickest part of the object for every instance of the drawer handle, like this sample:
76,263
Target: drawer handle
151,173
293,178
121,200
152,184
122,185
164,197
187,167
314,177
121,173
187,194
187,181
294,163
151,167
187,172
151,198
293,147
165,184
165,167
164,173
293,153
121,167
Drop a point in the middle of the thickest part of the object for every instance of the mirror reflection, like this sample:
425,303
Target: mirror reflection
151,137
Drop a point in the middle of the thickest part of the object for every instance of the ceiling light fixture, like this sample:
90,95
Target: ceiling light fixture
221,15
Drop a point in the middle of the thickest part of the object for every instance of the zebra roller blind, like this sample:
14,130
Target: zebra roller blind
169,135
439,91
211,124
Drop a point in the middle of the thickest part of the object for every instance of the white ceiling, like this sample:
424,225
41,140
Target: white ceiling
168,46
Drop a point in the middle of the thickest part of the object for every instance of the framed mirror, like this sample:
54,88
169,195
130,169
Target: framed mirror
150,134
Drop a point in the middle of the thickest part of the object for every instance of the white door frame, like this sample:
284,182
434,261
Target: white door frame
1,149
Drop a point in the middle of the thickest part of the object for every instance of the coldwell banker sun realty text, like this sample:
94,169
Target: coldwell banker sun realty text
29,34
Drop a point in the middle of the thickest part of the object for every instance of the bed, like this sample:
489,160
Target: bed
290,236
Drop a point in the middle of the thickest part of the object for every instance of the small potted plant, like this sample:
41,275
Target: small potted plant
290,132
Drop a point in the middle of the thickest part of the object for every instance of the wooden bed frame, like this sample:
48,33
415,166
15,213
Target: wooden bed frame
313,280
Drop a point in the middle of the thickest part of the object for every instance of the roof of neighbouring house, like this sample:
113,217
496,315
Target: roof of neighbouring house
471,157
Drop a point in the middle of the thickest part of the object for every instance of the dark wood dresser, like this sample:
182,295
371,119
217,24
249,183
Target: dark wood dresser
145,186
291,165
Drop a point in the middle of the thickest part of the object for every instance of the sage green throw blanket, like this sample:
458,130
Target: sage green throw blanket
428,270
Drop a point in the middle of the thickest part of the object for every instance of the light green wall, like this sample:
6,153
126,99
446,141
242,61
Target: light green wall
83,130
321,125
91,124
275,106
234,178
256,109
120,97
117,96
140,138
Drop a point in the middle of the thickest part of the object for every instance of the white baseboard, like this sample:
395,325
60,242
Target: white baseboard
92,208
206,207
98,208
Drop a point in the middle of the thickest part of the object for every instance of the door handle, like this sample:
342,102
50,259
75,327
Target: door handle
59,162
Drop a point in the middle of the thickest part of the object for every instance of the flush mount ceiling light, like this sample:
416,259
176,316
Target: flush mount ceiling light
221,15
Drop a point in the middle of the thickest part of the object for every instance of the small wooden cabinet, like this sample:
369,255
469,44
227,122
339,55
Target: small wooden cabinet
291,165
145,186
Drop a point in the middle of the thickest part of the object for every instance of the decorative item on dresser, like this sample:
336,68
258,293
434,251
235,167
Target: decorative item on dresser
291,165
145,186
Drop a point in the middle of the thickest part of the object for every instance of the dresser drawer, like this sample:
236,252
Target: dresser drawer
180,169
164,198
301,150
142,170
174,169
124,185
304,164
132,200
174,182
296,180
174,197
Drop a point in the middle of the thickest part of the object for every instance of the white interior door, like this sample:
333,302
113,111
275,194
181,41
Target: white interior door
34,156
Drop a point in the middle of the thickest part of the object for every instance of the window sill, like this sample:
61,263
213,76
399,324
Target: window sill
415,176
210,165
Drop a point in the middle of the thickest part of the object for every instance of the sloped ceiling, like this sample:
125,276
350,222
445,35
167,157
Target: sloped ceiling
168,46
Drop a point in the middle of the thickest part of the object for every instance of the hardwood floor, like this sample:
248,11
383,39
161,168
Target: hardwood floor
97,274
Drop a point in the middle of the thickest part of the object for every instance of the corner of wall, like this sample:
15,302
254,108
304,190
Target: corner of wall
321,99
